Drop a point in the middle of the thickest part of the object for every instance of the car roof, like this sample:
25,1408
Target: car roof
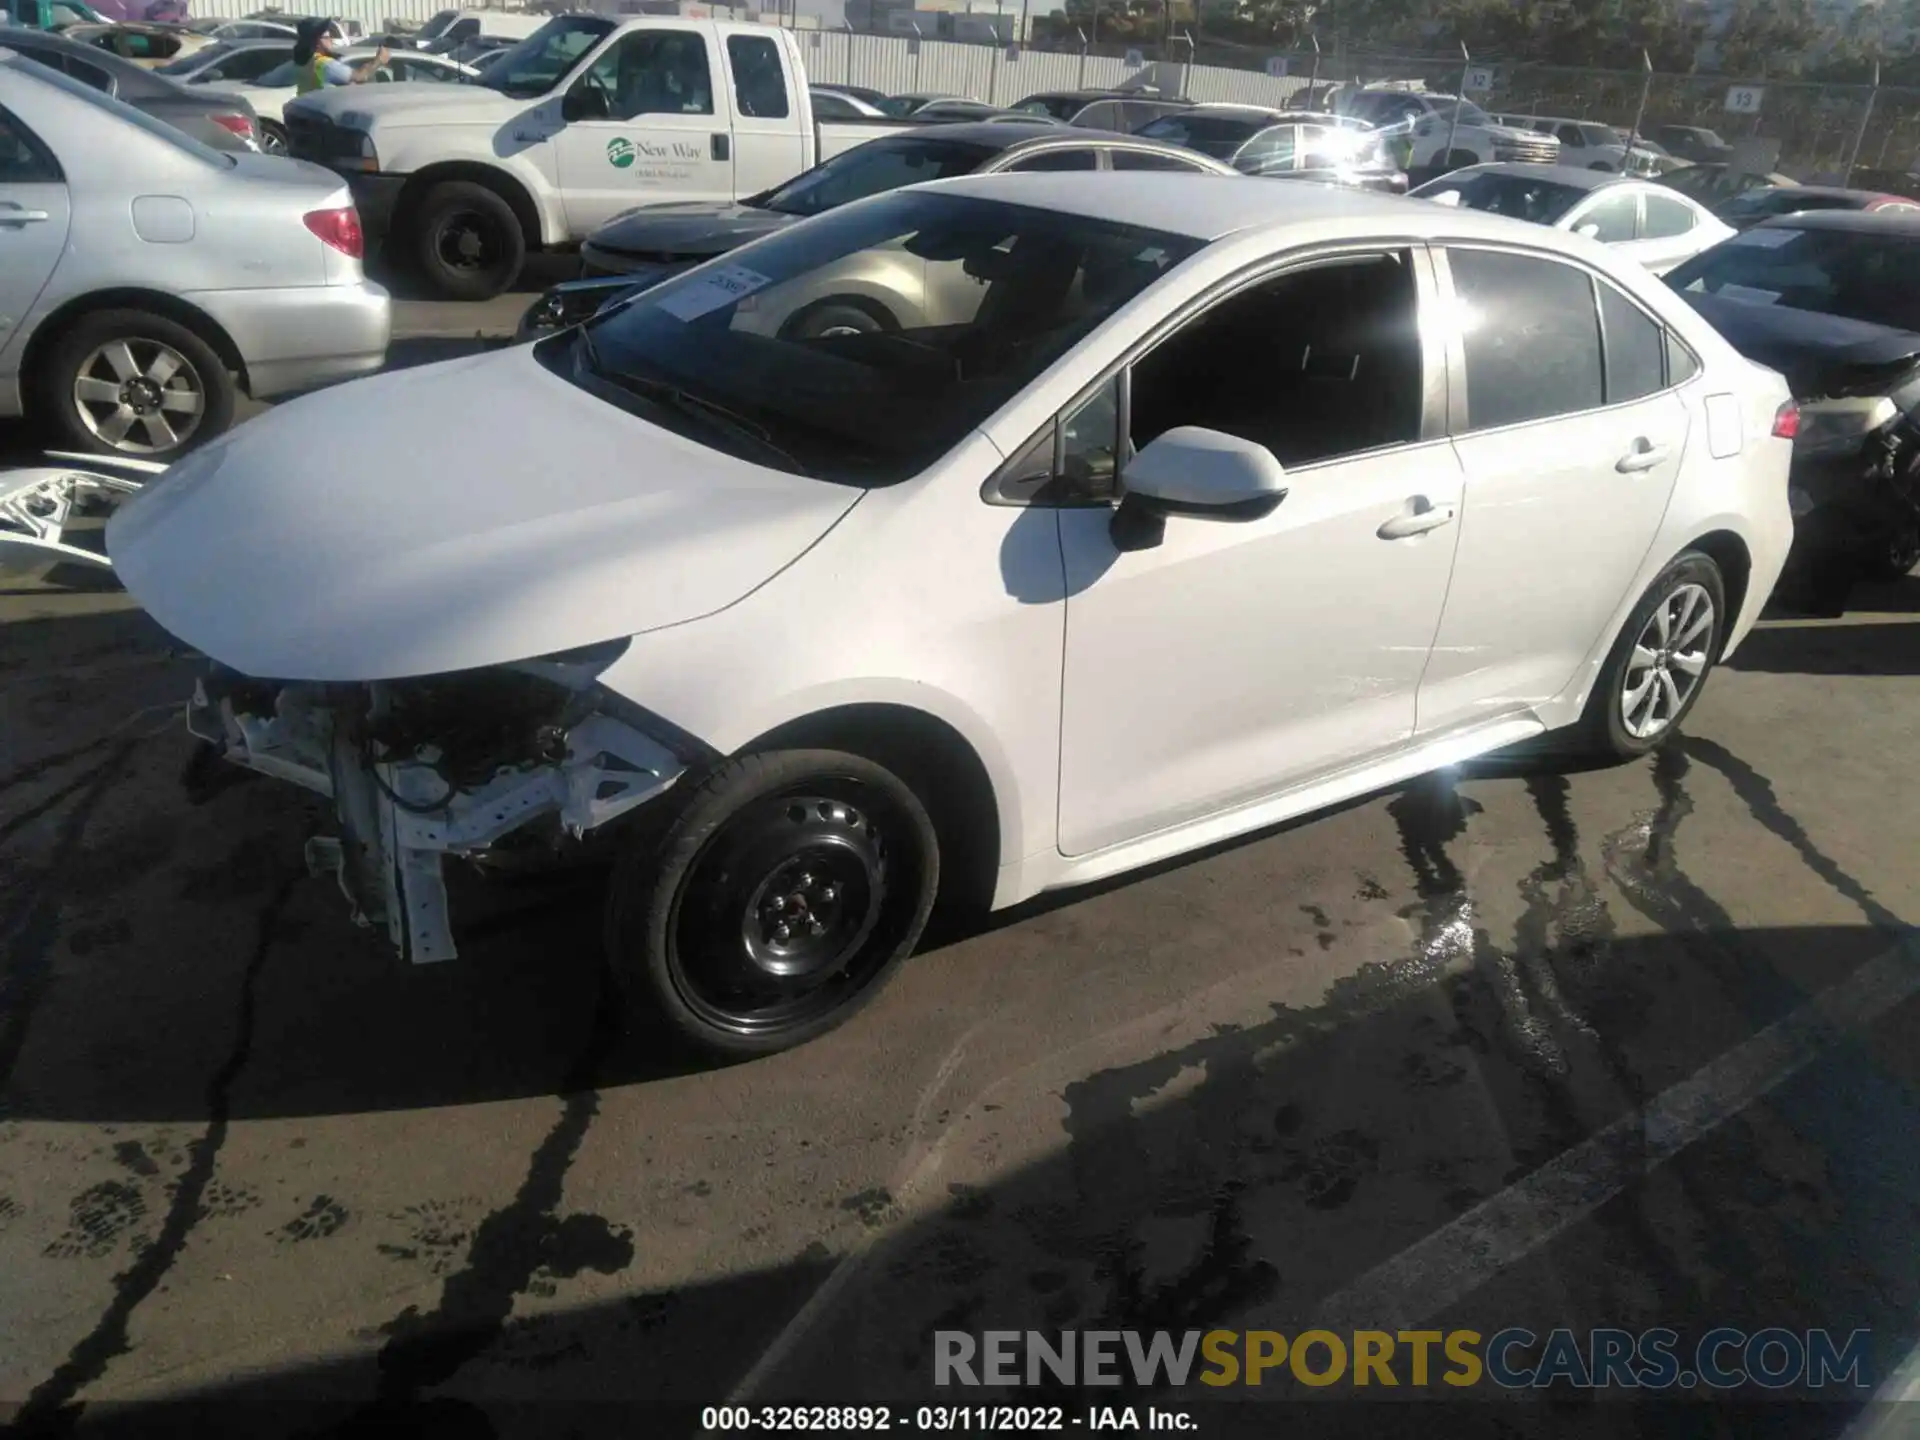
1576,177
1209,207
1865,222
999,135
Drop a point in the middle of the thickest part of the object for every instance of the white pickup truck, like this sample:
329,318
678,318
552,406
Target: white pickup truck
587,117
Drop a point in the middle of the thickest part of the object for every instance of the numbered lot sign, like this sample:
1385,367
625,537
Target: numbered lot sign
1745,99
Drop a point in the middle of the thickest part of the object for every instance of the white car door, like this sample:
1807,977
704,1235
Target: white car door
649,121
1233,660
34,217
1570,452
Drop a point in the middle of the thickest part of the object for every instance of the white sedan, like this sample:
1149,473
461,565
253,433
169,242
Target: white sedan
1650,223
1176,509
271,92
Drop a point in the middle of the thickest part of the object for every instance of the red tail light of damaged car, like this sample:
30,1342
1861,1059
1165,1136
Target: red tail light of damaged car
1786,421
339,229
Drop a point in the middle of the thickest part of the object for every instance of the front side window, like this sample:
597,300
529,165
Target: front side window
653,72
407,68
873,169
965,301
1610,219
833,107
1666,218
1531,336
1636,348
759,81
544,58
1541,201
1325,364
1268,153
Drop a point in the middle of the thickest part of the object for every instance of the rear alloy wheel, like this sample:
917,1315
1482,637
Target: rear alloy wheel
124,382
788,890
273,139
1661,660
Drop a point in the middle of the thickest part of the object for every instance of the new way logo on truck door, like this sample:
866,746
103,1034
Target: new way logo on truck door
655,126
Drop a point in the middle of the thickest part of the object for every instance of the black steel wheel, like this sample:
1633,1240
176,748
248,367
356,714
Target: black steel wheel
467,241
1898,556
788,889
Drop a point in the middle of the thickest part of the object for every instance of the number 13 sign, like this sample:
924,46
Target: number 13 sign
1745,99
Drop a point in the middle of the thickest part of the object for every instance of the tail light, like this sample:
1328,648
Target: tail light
1786,421
240,125
340,229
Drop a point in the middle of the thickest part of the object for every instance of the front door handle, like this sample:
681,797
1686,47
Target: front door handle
1643,456
11,214
1420,516
722,146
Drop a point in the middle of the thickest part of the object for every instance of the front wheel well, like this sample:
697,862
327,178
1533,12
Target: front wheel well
940,766
1730,553
519,199
154,302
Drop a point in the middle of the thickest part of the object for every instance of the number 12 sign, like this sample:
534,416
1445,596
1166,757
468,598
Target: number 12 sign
1745,99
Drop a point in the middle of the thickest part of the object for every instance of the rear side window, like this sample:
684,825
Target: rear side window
1636,348
759,83
1682,366
1531,336
1058,160
1612,218
1666,217
23,159
1149,160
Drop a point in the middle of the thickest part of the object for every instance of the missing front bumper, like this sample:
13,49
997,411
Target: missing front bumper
400,816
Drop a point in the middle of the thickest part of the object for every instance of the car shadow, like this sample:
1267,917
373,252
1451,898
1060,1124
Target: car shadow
1233,1180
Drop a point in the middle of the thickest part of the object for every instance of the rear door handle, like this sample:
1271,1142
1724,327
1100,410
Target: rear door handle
1418,518
1644,456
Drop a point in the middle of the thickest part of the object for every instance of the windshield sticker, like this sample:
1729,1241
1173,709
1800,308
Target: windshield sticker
1747,293
725,285
1766,239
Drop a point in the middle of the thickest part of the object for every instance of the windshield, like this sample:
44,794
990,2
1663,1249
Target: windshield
862,346
872,169
544,58
1830,272
1217,135
1540,201
437,26
1602,135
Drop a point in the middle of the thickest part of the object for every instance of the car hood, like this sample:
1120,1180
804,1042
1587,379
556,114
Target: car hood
424,102
692,228
1817,353
454,516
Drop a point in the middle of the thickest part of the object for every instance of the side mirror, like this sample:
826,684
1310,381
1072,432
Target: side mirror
1195,472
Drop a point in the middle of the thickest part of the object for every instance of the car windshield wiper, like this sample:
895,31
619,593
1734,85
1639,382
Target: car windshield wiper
672,397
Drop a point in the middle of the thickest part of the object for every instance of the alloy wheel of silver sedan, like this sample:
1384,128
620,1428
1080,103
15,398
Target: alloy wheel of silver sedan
139,396
1669,657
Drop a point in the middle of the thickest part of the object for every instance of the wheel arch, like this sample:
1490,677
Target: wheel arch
131,297
942,766
1729,551
504,183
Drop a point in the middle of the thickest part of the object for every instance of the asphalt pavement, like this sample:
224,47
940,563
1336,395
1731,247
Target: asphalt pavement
1634,1046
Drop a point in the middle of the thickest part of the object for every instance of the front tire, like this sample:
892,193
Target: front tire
788,889
1898,556
133,384
467,242
1661,661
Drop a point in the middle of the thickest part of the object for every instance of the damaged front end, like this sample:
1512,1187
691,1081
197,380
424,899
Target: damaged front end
468,765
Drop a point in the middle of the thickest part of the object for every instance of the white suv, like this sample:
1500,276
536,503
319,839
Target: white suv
1588,144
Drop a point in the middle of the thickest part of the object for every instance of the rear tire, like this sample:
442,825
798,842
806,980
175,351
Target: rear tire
788,889
467,242
273,138
1898,557
1660,662
132,383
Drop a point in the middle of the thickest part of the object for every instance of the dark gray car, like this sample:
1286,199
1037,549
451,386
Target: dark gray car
224,121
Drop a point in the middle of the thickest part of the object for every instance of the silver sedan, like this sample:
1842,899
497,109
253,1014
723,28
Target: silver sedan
144,278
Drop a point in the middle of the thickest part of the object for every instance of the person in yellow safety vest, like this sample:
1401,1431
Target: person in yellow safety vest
318,66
